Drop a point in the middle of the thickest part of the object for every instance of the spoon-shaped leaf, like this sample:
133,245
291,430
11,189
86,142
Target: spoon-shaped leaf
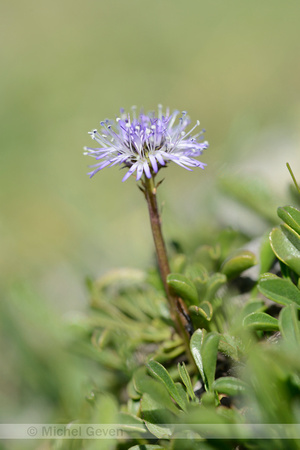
183,287
285,243
280,290
196,345
289,325
261,321
237,263
229,386
204,348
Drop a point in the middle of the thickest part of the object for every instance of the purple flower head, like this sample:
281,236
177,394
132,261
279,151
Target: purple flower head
146,143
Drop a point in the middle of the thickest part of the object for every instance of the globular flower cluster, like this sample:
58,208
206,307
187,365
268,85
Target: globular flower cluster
146,143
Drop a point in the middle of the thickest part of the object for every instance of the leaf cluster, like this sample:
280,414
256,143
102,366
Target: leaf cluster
243,299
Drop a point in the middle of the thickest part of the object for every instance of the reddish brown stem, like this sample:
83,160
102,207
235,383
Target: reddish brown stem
178,308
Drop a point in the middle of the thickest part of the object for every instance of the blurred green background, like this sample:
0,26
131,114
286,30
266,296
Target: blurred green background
65,66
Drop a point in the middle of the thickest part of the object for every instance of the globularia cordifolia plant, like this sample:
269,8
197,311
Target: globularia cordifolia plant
232,365
144,144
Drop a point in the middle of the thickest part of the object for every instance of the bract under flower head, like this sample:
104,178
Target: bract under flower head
146,142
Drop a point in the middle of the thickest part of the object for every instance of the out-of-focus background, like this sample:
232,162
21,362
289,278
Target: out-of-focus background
65,66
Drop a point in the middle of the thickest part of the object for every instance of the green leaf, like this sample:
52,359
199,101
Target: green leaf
199,275
285,243
195,346
197,272
204,348
129,422
159,372
291,216
183,394
237,263
199,318
183,287
229,386
261,321
156,390
185,377
266,254
214,283
155,414
280,290
289,325
209,356
205,310
132,392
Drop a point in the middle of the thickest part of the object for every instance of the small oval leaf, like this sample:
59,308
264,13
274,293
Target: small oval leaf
237,263
229,386
204,348
285,243
266,254
199,275
195,345
205,310
214,283
261,321
183,287
289,325
209,356
280,290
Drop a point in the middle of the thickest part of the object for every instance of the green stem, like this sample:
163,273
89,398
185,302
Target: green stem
293,177
178,309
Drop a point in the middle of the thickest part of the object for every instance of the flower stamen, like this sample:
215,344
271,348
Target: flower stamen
146,143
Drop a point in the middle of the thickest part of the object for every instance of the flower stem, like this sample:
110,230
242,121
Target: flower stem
178,309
